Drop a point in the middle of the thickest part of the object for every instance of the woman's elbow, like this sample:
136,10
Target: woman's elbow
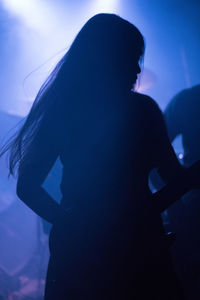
24,187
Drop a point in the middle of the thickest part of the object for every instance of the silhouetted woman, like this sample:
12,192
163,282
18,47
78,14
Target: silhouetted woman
107,240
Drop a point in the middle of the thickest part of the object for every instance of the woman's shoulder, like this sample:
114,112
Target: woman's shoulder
145,102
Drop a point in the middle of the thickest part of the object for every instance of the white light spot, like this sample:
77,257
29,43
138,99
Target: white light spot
105,6
180,156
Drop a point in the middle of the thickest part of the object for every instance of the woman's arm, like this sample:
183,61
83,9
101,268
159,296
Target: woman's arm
176,177
188,179
33,170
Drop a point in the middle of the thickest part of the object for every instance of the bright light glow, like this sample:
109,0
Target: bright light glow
32,12
43,29
105,6
43,33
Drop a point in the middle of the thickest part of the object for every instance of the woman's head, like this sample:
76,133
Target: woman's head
105,54
107,48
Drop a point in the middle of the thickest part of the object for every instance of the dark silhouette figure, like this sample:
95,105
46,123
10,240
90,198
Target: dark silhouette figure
182,118
107,240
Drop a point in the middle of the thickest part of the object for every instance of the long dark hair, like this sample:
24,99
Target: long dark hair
102,51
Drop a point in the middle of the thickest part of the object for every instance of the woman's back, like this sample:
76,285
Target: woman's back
103,153
106,160
110,227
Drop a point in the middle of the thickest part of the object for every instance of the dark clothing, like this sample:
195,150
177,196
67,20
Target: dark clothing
110,246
